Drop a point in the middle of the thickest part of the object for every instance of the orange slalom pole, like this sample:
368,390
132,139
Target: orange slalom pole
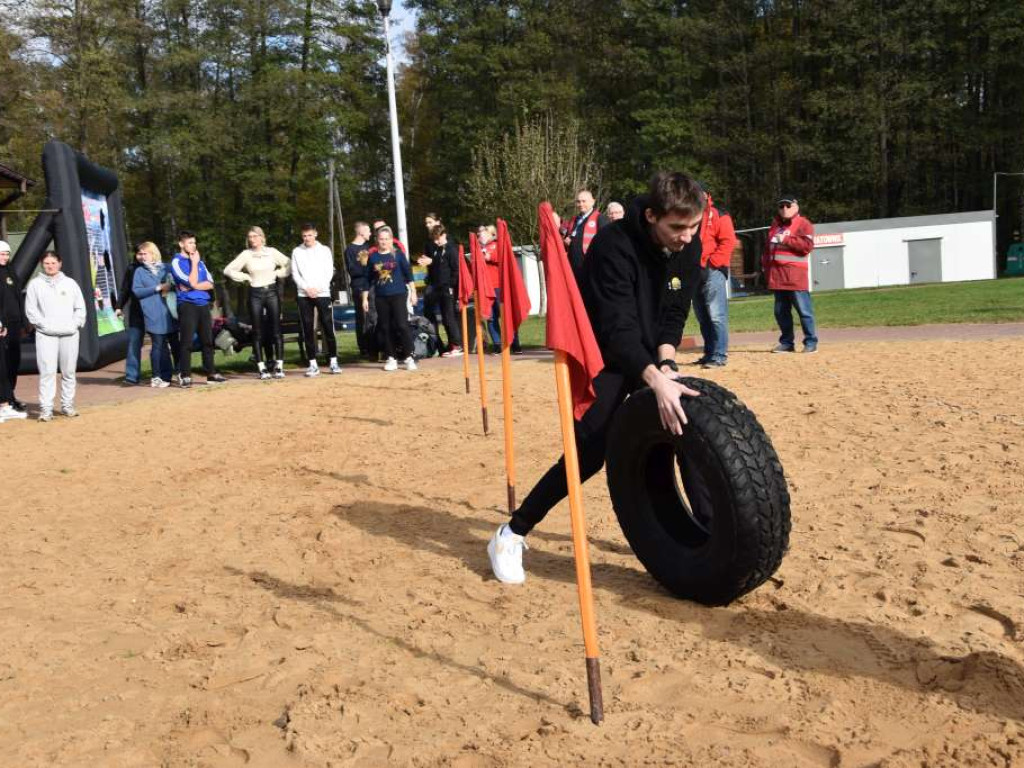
465,346
480,361
579,538
506,402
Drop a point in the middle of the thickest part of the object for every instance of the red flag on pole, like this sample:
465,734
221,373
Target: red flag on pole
485,291
568,327
513,290
465,279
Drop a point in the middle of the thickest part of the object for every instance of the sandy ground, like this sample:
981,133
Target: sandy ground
294,573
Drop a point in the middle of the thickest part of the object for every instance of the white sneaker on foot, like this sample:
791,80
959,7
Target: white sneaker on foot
7,413
335,368
312,371
70,412
391,364
45,416
279,370
506,552
410,363
157,383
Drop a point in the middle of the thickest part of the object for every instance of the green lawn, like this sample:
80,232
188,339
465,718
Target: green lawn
983,301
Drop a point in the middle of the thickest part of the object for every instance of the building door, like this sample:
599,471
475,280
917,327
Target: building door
925,260
827,268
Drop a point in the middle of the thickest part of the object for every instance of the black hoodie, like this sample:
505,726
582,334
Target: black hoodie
636,295
12,301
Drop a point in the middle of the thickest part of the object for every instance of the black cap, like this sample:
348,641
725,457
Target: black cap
787,199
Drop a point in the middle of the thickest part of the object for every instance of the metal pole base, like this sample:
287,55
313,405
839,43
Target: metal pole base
594,688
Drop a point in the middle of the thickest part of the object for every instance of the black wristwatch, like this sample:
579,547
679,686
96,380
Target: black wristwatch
670,364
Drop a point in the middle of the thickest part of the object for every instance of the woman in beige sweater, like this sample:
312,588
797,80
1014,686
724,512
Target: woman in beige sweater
260,266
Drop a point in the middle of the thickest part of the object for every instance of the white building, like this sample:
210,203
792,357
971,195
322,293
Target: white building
913,249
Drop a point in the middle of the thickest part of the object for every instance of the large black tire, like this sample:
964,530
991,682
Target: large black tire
719,528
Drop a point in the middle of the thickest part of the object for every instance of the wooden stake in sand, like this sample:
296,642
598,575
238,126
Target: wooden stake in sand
506,402
465,346
579,537
480,361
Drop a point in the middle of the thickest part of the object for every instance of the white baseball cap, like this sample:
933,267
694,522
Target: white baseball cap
4,247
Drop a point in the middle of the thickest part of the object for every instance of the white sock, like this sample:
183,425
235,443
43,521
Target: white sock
280,364
334,361
262,366
312,364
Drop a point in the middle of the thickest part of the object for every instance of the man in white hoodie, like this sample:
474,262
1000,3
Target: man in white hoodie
54,304
312,270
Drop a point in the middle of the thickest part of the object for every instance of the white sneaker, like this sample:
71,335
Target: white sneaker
157,383
45,416
335,368
506,552
312,371
70,412
410,363
7,413
279,370
391,364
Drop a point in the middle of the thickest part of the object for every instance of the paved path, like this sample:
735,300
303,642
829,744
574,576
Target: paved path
104,386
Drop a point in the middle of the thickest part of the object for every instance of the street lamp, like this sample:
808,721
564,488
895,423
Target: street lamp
396,149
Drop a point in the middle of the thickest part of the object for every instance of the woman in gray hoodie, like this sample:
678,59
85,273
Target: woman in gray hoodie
55,306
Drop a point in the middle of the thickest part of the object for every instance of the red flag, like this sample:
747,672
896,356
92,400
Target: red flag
465,279
568,327
513,290
485,291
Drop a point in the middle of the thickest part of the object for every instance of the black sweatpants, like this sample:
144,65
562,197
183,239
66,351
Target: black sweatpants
6,393
12,352
324,309
192,318
267,300
357,300
611,390
393,319
440,297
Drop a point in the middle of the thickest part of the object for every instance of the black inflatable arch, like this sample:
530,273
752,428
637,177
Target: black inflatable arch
94,255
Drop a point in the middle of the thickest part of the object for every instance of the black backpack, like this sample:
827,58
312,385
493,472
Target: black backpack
425,340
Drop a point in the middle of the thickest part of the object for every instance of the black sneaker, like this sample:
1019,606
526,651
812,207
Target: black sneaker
713,364
517,351
185,382
215,379
700,361
18,406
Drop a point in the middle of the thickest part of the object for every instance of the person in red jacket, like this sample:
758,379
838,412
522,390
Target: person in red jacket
711,302
786,262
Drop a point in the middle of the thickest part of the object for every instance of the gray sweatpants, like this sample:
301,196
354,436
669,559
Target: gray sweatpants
52,351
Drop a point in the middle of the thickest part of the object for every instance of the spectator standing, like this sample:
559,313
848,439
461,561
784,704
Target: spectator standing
54,304
12,318
487,236
134,326
312,271
711,302
786,263
581,230
193,283
391,276
356,255
442,263
260,266
615,211
150,285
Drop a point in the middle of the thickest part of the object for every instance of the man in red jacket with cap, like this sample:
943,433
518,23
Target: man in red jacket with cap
786,264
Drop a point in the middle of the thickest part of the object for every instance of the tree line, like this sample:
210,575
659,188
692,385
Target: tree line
218,114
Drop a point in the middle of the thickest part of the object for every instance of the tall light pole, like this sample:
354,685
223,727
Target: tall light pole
396,148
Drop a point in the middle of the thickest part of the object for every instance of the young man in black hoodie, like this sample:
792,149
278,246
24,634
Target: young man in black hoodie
442,263
637,283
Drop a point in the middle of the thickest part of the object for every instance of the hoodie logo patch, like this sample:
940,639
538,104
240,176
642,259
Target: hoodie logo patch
10,281
675,284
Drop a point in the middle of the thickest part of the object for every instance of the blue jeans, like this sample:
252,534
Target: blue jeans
711,305
494,322
160,354
785,302
133,360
